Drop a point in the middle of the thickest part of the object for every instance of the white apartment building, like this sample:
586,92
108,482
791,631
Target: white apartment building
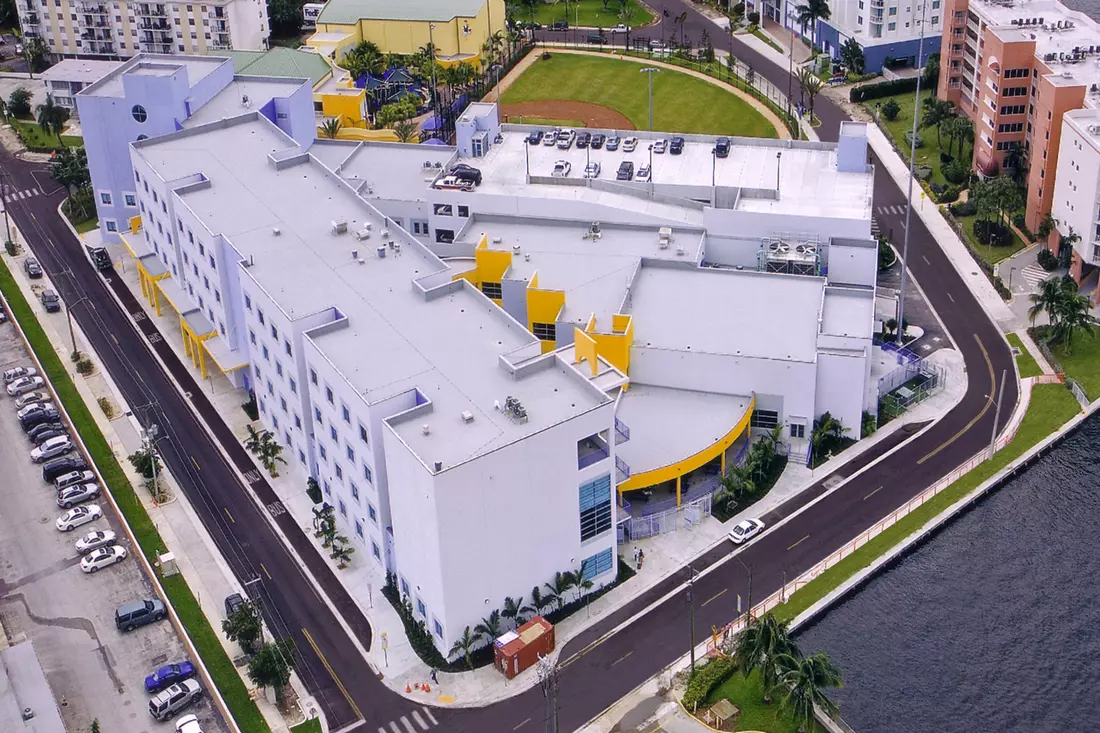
118,29
883,28
472,376
1076,203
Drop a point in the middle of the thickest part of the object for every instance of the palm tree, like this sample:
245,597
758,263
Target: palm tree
52,118
341,553
405,130
1046,300
936,112
489,628
330,128
758,646
252,443
513,609
538,602
810,84
580,581
736,483
827,432
803,682
561,585
464,645
1067,310
809,13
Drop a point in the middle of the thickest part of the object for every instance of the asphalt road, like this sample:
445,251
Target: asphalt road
593,676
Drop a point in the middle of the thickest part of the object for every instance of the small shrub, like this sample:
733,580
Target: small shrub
754,17
1047,260
963,208
105,405
251,408
890,110
1020,222
949,194
9,246
85,367
75,357
706,678
992,233
923,172
946,157
909,138
956,171
869,424
999,286
313,490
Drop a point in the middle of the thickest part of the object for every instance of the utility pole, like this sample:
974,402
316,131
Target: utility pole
151,452
909,196
691,606
650,70
997,415
548,679
435,84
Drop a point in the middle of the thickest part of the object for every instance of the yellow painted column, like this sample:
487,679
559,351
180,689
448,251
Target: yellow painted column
186,340
724,461
678,490
141,279
202,359
156,299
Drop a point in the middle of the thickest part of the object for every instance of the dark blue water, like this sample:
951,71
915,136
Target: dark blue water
1088,7
992,625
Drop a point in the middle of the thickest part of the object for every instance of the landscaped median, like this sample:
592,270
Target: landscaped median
202,635
1051,406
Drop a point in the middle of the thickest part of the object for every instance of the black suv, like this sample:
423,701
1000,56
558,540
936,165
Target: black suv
559,25
722,147
62,466
597,140
32,268
45,427
50,301
583,138
464,172
534,138
37,417
626,171
676,146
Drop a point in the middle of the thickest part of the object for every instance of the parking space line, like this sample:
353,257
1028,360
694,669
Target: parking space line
715,597
525,722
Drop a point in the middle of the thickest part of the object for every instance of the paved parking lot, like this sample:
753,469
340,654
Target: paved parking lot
94,670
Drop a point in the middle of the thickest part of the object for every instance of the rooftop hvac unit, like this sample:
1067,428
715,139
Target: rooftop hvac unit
438,466
381,251
362,234
467,416
595,227
527,257
275,231
385,234
498,240
515,248
426,429
339,226
245,102
355,254
680,251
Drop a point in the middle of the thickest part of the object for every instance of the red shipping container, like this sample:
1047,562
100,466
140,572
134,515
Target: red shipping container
517,650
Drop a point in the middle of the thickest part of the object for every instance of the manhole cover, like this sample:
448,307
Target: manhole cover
43,520
833,481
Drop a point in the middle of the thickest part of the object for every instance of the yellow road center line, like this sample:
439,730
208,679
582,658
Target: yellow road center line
231,519
197,467
339,684
980,415
796,544
714,597
264,568
872,493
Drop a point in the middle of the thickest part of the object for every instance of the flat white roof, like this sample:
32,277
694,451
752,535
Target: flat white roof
85,71
385,169
848,312
198,68
1077,30
676,308
396,339
229,102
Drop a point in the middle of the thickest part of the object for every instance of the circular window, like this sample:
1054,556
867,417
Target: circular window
139,113
143,137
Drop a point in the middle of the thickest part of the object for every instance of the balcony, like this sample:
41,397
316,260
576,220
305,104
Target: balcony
591,450
30,19
154,25
92,8
100,47
155,11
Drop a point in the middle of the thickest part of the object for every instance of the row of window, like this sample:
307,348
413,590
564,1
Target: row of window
595,507
448,210
1013,109
421,608
1010,127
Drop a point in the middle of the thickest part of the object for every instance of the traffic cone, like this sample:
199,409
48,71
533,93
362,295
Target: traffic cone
427,687
407,688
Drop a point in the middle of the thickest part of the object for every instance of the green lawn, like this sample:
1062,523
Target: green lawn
747,693
545,121
681,103
1082,363
767,39
37,139
989,254
587,13
313,725
1024,360
221,668
1051,406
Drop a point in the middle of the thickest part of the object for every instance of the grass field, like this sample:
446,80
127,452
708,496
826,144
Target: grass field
1024,360
221,668
588,14
35,138
1051,406
681,103
545,121
747,693
312,725
990,254
1083,362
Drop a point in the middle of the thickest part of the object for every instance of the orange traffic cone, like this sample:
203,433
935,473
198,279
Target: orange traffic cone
407,688
427,687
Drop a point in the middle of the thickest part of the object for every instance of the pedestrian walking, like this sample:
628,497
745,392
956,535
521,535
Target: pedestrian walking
636,551
434,678
641,559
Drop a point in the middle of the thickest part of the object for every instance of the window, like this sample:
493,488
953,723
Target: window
438,629
597,564
252,336
248,301
270,388
372,513
317,416
766,419
350,452
130,199
354,491
282,403
332,432
343,508
367,474
297,421
595,507
301,454
313,376
1016,73
798,430
491,290
464,211
358,528
105,198
278,367
1011,127
893,11
1014,92
206,282
111,225
404,587
259,313
328,489
891,26
293,386
544,331
444,236
324,453
286,348
267,356
421,608
1013,109
443,210
420,226
139,113
378,556
274,332
328,394
212,265
339,470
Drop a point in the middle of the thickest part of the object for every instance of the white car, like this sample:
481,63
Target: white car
102,558
16,372
77,516
660,146
620,28
630,144
551,138
19,385
188,724
592,170
33,407
76,494
95,540
30,397
561,169
643,173
566,138
52,448
73,477
745,531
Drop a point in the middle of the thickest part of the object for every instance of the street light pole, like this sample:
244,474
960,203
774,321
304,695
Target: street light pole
997,415
650,70
909,196
691,603
69,315
548,679
435,84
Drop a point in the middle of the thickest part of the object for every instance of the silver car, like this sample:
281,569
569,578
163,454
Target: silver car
76,494
171,700
16,372
19,385
52,448
30,397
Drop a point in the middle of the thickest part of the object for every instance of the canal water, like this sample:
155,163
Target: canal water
991,625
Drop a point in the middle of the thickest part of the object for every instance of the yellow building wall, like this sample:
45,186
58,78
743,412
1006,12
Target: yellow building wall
543,306
615,346
584,349
489,266
348,108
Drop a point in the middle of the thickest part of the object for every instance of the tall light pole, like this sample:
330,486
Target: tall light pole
997,414
691,613
778,161
650,70
548,679
435,84
909,196
69,314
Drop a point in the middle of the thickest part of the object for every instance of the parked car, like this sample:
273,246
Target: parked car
534,138
597,140
29,397
169,674
465,172
566,138
626,171
52,448
644,173
630,144
3,316
45,435
746,530
76,494
596,38
50,301
95,540
559,25
170,701
102,558
561,169
233,603
78,516
190,723
676,145
38,430
551,138
16,372
33,407
620,28
660,146
24,385
131,615
612,143
32,268
656,44
592,170
583,139
37,418
722,147
61,466
72,478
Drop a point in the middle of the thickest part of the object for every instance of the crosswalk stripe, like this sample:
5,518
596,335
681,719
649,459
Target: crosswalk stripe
419,720
430,716
20,195
408,726
382,730
28,192
393,725
34,192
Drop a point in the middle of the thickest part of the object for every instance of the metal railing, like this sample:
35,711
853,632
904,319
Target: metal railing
690,514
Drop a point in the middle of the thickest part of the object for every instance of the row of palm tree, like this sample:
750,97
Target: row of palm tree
1067,310
324,526
766,645
262,444
944,116
827,437
743,479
